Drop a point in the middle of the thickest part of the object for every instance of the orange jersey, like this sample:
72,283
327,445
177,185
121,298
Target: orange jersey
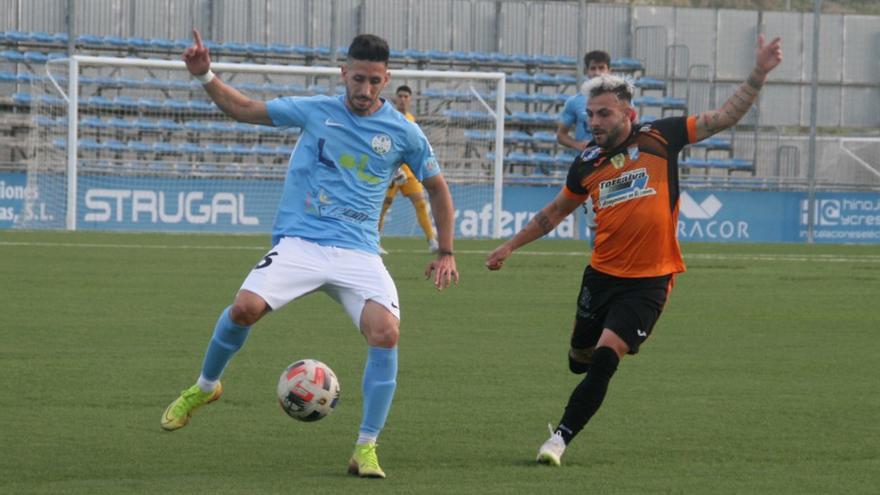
635,195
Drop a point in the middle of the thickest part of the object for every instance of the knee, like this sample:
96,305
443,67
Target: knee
385,336
245,312
605,361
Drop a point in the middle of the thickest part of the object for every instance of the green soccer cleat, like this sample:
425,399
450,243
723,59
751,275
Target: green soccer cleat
364,462
177,414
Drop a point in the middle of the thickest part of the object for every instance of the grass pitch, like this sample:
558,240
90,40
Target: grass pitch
760,377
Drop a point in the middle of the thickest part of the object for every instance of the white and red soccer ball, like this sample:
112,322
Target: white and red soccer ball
308,390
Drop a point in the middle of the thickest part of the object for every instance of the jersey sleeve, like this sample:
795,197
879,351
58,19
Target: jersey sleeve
287,111
678,131
568,117
420,156
573,188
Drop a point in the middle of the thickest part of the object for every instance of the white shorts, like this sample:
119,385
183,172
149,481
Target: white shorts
296,267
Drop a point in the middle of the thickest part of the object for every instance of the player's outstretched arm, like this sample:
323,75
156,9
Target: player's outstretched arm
564,138
767,57
230,100
542,224
443,268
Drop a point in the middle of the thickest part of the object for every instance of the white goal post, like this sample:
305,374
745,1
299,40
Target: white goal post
136,144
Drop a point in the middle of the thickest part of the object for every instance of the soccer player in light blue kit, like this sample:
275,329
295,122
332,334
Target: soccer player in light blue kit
325,235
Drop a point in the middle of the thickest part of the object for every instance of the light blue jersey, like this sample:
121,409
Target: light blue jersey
340,169
574,115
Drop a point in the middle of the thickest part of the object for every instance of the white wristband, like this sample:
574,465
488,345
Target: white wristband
206,77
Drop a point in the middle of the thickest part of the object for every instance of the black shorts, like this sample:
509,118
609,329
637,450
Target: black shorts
627,306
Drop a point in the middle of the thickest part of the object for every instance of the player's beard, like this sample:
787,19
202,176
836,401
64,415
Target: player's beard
362,104
613,137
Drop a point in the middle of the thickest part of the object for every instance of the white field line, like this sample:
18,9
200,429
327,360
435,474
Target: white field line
800,258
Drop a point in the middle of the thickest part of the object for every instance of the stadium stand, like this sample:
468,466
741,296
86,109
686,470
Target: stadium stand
538,85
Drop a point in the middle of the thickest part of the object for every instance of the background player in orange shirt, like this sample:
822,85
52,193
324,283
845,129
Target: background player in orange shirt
631,173
405,182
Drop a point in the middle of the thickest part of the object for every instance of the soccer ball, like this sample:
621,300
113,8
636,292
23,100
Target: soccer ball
308,390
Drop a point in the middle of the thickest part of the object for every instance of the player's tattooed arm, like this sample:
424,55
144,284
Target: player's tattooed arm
767,57
540,225
544,223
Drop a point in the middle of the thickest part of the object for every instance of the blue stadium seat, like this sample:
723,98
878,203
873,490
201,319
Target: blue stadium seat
182,44
169,125
89,145
567,60
125,102
137,43
197,126
160,43
18,36
263,150
693,161
304,50
280,49
114,41
437,55
22,98
119,123
545,78
566,79
520,77
714,143
414,54
191,148
517,157
42,37
524,117
502,58
545,97
114,145
256,48
544,137
218,149
513,136
14,56
650,83
147,125
91,40
565,158
92,123
459,56
175,105
731,163
240,149
162,147
139,147
234,47
626,64
480,57
545,118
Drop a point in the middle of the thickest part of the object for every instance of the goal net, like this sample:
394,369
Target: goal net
136,144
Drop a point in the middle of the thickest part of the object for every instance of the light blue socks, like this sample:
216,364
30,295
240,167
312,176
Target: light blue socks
227,340
380,380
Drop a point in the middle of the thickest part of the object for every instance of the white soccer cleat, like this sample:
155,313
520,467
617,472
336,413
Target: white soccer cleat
433,246
382,251
551,451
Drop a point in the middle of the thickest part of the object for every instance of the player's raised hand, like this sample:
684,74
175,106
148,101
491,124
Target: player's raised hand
197,58
768,56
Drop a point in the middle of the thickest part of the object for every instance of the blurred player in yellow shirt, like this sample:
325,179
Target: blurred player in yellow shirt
405,182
